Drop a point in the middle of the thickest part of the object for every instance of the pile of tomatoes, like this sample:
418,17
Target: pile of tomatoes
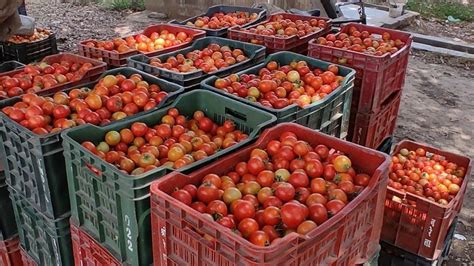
38,35
426,174
209,59
221,20
156,41
279,86
280,27
36,77
175,142
289,186
364,41
113,98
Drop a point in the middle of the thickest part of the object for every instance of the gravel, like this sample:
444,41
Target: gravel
74,23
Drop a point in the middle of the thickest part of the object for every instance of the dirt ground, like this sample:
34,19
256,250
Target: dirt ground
461,32
437,104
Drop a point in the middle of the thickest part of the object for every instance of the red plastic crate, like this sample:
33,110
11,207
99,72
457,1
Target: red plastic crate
348,238
377,77
421,226
115,59
10,252
91,75
26,259
87,251
370,130
274,43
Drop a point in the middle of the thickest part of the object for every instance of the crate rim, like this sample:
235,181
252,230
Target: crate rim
261,13
387,55
427,147
239,28
198,41
64,135
347,79
156,192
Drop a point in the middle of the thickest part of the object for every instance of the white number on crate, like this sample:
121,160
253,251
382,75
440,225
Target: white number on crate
427,243
128,231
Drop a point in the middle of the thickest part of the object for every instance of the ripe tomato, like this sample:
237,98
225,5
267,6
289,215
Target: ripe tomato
305,227
242,209
227,222
334,206
299,179
255,165
248,226
266,178
293,214
285,192
217,208
207,192
342,163
183,196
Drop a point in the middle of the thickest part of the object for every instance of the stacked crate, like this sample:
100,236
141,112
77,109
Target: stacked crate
378,85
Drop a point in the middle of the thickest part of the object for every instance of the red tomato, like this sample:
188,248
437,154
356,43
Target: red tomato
293,214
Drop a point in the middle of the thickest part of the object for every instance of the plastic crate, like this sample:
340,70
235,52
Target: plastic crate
91,75
10,65
386,146
26,259
421,227
87,251
47,241
392,256
30,52
7,219
330,115
370,130
255,54
224,9
345,239
35,164
113,207
10,252
279,43
115,59
377,77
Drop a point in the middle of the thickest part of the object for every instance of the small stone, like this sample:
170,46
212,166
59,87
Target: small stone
157,15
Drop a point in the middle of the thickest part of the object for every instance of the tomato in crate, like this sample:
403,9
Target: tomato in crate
283,32
426,190
109,192
323,104
53,73
154,40
219,18
189,66
26,49
32,147
248,208
380,68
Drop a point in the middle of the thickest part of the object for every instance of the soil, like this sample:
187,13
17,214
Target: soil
437,105
461,32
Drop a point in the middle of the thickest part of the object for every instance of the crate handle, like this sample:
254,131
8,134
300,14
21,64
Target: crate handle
94,170
235,114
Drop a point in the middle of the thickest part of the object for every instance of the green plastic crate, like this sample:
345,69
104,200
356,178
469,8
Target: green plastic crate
255,54
47,241
329,115
34,164
114,207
